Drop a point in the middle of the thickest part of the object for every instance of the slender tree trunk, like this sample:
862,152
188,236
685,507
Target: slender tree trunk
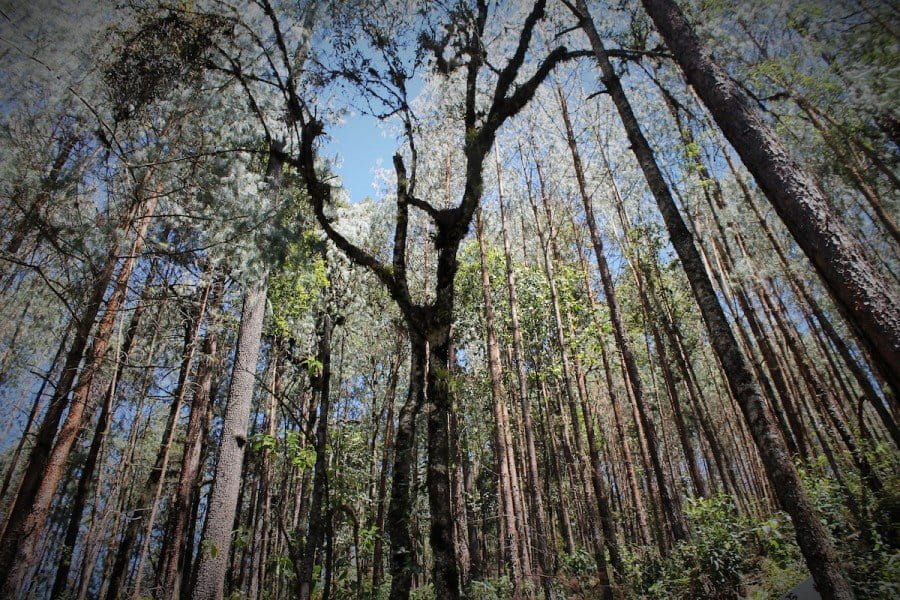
46,465
32,415
863,295
318,509
387,449
820,555
505,476
172,559
101,430
192,331
671,504
542,531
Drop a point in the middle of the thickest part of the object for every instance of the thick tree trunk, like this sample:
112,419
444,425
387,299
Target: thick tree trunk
213,564
445,573
402,563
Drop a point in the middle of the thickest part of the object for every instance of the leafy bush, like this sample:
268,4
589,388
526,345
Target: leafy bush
708,565
580,562
496,588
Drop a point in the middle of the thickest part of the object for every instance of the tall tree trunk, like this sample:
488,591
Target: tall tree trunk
46,464
192,331
32,415
506,505
864,296
445,573
100,432
387,450
812,538
318,509
542,531
172,556
144,509
671,504
212,565
402,563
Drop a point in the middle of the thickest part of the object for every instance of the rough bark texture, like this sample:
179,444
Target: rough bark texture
402,563
318,509
864,296
213,564
812,538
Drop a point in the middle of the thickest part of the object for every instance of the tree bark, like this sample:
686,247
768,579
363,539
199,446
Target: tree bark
216,545
863,295
46,464
171,559
402,563
817,549
87,472
318,509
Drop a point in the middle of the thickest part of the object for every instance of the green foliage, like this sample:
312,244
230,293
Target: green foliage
241,537
497,588
719,538
295,288
708,565
579,562
866,542
423,593
290,447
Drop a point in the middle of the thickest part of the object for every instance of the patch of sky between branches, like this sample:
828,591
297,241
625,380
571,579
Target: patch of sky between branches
362,146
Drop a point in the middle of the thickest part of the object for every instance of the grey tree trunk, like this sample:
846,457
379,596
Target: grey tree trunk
216,546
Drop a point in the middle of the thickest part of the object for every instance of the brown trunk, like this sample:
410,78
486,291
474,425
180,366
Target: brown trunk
87,472
46,465
542,532
671,504
171,559
863,295
820,555
498,396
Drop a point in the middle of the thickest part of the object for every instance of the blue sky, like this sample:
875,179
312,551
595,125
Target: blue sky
360,144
